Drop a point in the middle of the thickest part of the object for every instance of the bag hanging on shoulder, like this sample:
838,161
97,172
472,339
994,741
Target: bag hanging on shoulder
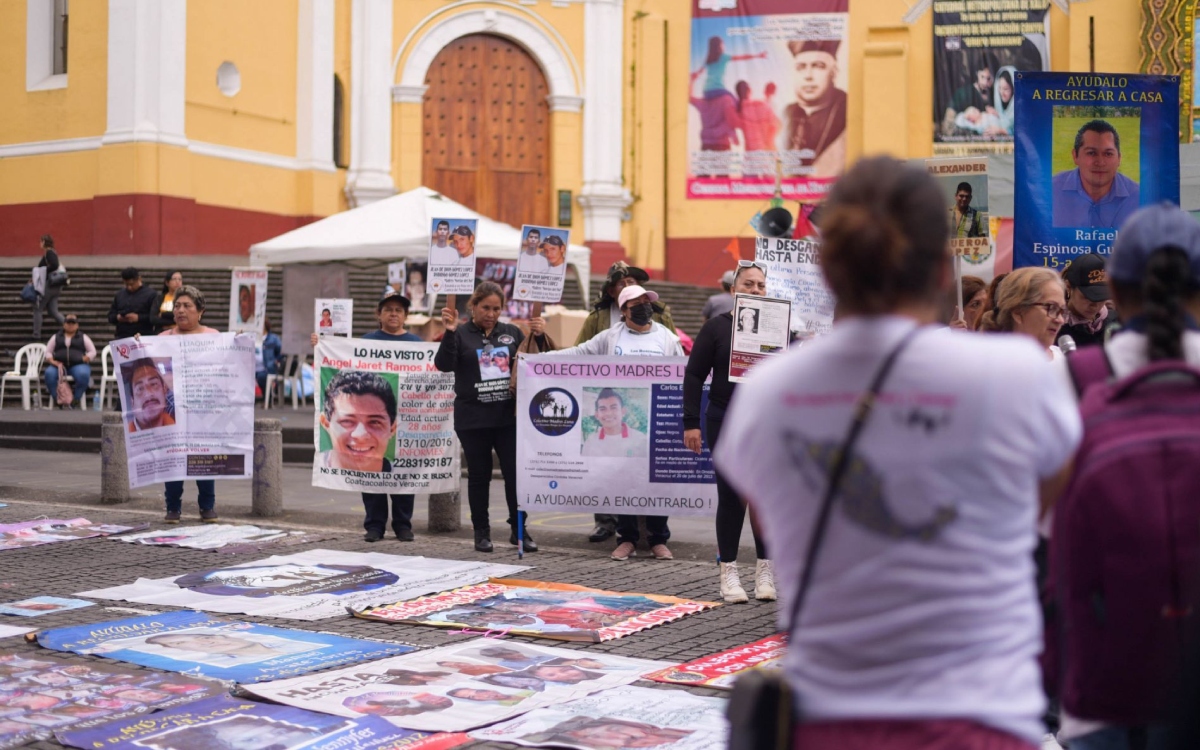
762,710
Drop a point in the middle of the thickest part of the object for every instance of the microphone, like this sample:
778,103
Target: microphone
1066,343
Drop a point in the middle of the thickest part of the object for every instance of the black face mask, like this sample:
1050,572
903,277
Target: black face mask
641,314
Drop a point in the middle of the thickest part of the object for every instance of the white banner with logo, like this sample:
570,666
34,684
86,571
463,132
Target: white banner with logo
188,406
605,435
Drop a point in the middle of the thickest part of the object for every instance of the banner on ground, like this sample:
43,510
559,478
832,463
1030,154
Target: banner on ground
623,718
194,643
384,418
767,98
452,256
333,317
722,670
1071,200
605,435
188,405
248,301
458,687
8,631
794,274
760,331
312,585
41,605
226,722
560,611
542,264
41,695
216,536
977,52
51,530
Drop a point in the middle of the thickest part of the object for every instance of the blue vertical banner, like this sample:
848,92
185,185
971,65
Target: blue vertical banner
1090,149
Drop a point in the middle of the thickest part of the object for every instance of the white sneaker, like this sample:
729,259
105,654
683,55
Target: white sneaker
764,581
731,585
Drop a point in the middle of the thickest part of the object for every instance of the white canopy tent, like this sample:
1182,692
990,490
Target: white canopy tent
393,228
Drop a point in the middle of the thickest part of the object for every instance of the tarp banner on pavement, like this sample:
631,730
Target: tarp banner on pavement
216,536
623,718
384,418
561,611
51,530
188,405
226,722
42,605
42,694
794,273
605,435
194,643
976,55
460,686
767,98
722,669
1069,201
311,585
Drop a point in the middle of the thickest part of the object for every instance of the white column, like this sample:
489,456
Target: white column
370,175
314,85
147,52
603,197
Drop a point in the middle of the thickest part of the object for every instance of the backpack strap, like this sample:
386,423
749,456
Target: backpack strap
1088,366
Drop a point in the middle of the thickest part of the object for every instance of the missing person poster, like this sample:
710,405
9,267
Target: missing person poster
333,317
1090,150
760,331
312,585
977,50
504,272
964,185
541,264
605,435
452,256
794,273
194,643
227,723
620,719
767,98
188,405
460,686
722,670
248,301
384,418
397,275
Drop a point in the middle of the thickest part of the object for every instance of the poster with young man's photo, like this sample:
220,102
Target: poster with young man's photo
451,256
248,301
541,264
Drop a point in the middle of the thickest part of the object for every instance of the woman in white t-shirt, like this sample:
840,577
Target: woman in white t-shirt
921,626
1032,302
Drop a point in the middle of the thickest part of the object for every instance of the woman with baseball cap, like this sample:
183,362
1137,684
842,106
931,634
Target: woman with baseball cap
1088,316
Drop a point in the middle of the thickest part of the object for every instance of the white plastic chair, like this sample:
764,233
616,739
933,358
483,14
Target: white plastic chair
297,380
276,379
108,375
31,356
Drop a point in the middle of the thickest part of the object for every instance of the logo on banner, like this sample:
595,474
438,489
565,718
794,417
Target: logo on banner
553,411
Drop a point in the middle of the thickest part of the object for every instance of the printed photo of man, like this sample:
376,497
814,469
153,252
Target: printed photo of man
615,438
463,241
148,395
246,303
974,100
556,255
1095,193
530,259
965,220
359,415
816,122
441,251
326,319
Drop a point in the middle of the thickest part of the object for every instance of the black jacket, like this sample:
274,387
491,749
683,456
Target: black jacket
161,319
480,403
139,302
710,353
1084,337
49,261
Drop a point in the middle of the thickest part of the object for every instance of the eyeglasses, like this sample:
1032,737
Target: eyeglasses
1052,310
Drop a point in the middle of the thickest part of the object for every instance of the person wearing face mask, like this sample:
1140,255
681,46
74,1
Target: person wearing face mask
710,355
638,335
1088,317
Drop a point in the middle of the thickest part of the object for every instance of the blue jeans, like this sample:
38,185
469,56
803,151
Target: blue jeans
82,373
1117,738
206,498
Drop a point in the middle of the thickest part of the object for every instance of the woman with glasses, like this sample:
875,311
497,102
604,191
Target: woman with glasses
710,355
70,352
1030,301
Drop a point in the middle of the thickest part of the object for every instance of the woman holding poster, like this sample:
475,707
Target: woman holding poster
188,309
485,417
710,354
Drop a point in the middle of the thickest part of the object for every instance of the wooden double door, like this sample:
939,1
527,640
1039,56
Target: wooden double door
486,134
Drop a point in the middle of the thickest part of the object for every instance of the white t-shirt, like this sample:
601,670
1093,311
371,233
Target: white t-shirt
1128,350
922,604
447,256
657,342
532,262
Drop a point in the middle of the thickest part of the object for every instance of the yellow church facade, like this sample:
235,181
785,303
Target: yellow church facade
199,127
